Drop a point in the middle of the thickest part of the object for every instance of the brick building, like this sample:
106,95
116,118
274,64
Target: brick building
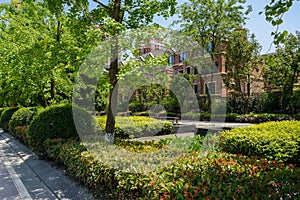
210,82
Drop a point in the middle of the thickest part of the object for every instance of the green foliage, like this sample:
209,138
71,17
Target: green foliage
242,118
1,110
242,53
274,13
171,104
271,140
210,22
282,69
136,106
224,176
138,126
193,176
56,121
40,53
21,134
264,117
22,117
6,116
269,102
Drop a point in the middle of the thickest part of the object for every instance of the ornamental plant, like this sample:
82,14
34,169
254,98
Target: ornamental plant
6,116
272,140
57,121
22,117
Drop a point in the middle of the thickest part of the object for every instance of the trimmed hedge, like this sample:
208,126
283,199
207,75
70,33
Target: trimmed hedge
138,126
271,140
6,116
1,110
55,121
21,134
263,117
192,176
22,117
247,118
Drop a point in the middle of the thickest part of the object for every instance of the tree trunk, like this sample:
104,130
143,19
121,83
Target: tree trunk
113,72
113,94
52,89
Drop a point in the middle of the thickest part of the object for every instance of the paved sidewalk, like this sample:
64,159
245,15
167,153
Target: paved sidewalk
189,130
24,176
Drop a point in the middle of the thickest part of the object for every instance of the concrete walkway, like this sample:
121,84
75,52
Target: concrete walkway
190,129
24,176
206,124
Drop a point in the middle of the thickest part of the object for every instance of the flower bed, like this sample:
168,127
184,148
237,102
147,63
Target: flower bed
192,176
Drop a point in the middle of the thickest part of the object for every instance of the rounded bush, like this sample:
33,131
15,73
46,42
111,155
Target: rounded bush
22,117
53,122
138,126
6,116
271,140
1,110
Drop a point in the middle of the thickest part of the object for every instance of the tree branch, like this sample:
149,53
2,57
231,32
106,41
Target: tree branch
86,13
103,5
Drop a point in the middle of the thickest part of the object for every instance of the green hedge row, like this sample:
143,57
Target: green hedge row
22,117
34,125
247,118
57,122
271,140
6,116
192,176
136,126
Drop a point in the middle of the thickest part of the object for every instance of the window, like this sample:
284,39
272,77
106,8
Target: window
171,60
196,89
210,88
188,70
195,70
183,56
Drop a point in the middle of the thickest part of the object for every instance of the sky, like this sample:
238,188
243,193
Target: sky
256,23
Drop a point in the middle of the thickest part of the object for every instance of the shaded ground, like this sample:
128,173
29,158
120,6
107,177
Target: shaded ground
24,176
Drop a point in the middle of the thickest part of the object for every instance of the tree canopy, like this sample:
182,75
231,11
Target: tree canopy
210,22
242,53
274,12
282,69
40,53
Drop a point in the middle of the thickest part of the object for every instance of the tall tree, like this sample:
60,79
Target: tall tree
129,14
40,54
242,55
282,69
209,22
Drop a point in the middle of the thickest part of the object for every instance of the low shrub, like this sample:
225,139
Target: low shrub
56,121
245,118
136,106
192,176
21,117
6,116
263,117
21,134
271,140
1,110
202,116
138,126
225,176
